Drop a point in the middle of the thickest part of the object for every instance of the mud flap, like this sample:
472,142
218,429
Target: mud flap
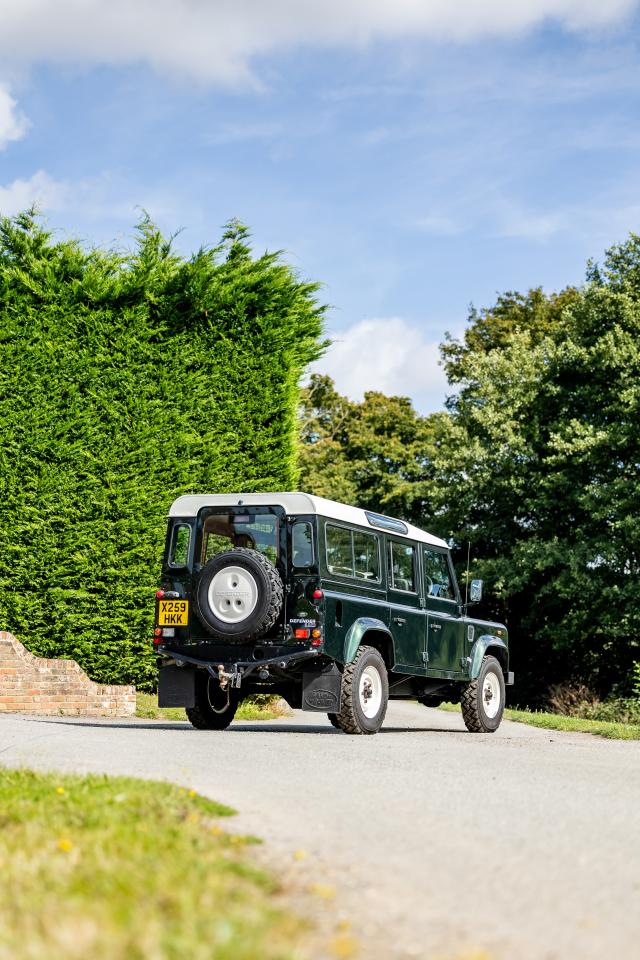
321,690
176,687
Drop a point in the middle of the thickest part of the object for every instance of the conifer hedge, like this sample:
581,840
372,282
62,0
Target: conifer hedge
127,379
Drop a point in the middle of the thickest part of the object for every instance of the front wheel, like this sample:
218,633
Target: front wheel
483,700
365,693
215,708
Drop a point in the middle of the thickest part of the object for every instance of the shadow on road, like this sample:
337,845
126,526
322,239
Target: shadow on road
257,726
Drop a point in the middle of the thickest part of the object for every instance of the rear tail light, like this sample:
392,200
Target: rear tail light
301,634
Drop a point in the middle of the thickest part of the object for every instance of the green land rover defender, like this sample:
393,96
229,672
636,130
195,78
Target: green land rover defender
333,608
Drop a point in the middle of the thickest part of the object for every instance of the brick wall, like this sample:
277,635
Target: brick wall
31,684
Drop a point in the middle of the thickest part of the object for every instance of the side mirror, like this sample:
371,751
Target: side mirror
475,591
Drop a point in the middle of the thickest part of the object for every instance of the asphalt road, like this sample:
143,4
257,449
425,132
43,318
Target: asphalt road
439,843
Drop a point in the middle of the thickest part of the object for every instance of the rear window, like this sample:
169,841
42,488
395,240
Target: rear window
255,531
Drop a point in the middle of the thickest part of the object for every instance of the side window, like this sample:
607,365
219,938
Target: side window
366,554
402,566
437,580
339,551
302,544
180,539
353,553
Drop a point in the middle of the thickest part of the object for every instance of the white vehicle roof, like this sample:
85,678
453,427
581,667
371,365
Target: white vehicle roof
296,503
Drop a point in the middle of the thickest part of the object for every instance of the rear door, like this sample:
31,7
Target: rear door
444,622
408,620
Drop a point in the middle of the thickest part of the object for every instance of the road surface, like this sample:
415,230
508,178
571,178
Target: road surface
521,845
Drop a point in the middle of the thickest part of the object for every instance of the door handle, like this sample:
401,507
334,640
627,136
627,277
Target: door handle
399,620
436,626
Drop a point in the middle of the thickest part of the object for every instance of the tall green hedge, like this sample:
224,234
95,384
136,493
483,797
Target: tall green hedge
127,379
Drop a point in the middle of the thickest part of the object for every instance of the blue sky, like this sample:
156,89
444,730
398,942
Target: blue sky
415,156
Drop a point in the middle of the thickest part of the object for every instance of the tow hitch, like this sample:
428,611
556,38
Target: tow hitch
224,677
231,675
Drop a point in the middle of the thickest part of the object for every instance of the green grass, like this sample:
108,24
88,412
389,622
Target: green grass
123,869
264,709
556,721
147,707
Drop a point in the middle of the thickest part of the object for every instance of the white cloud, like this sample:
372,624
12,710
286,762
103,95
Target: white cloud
520,223
217,41
13,124
40,189
390,355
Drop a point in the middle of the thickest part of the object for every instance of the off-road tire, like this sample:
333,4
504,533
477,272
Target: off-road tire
472,702
333,720
352,718
270,595
211,711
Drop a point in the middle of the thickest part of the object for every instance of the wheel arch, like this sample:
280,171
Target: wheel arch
373,633
488,645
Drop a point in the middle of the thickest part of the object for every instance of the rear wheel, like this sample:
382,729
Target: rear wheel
365,693
483,700
215,708
333,720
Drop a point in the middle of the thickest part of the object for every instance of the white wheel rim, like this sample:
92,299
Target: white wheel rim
491,695
233,594
370,691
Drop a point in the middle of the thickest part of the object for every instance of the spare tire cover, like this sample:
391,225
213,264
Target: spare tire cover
238,594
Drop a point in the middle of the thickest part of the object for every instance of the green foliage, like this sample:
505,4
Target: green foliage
376,454
578,701
547,491
535,312
127,379
616,710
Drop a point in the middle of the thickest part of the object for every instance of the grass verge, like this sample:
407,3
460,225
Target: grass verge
264,709
123,869
556,721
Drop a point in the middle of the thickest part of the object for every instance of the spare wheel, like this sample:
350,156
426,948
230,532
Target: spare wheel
239,594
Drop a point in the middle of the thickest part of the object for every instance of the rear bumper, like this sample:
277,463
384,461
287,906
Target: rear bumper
318,683
237,671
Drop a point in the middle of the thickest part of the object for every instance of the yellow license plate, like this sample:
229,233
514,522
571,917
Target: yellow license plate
173,613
